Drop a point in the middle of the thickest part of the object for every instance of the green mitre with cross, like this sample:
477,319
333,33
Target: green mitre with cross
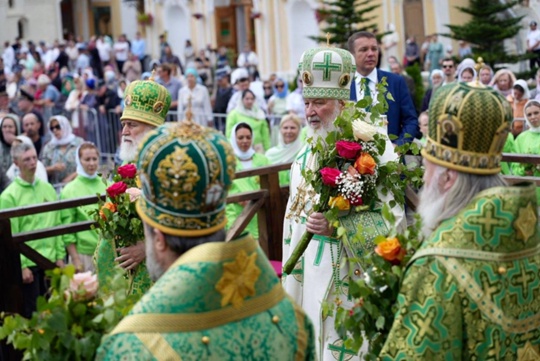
147,102
326,73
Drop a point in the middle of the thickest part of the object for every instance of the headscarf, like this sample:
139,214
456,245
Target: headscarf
497,76
285,153
255,112
529,103
284,92
68,79
460,79
434,72
17,121
80,169
65,127
237,151
523,84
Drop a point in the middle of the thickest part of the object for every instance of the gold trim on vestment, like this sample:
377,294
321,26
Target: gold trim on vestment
483,301
478,255
175,231
217,251
301,337
158,347
186,322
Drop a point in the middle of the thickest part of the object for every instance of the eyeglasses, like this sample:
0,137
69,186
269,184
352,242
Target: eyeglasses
267,88
55,127
447,66
280,86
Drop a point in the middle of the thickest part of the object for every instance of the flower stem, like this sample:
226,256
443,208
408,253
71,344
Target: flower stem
297,252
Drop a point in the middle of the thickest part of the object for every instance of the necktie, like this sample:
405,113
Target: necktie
367,90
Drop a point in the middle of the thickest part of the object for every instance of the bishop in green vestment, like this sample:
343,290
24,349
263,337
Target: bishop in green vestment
471,292
213,300
146,106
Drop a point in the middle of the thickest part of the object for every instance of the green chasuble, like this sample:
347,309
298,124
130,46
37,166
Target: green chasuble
105,265
472,290
218,301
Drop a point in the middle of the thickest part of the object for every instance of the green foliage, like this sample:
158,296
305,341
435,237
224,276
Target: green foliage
117,218
487,29
375,294
345,17
416,74
69,324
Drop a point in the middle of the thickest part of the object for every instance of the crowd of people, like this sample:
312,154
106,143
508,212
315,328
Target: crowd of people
44,142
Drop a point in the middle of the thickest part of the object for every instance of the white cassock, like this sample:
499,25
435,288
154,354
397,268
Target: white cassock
315,278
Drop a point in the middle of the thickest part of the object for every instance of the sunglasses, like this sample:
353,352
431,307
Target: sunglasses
267,88
55,127
280,86
447,66
241,80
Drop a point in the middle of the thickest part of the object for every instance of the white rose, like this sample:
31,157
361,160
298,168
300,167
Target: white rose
83,286
363,130
134,193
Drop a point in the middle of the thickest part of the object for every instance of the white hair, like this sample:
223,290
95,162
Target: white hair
436,206
327,125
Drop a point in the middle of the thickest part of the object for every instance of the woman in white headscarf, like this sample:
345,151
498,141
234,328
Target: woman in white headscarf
241,140
437,79
59,154
465,70
289,144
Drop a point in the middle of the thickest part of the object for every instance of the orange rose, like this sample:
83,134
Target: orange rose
391,251
110,206
365,164
340,203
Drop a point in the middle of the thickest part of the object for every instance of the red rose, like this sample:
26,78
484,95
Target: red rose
127,171
347,149
116,189
329,176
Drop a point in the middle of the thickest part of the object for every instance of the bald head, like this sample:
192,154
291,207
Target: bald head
31,126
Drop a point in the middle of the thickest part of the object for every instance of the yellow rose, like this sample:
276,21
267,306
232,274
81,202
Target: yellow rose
363,130
340,203
391,250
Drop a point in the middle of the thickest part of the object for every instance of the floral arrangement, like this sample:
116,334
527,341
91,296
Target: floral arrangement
350,173
116,218
69,324
145,19
375,294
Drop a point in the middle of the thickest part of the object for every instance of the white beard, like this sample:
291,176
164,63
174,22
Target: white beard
327,126
152,265
431,205
129,151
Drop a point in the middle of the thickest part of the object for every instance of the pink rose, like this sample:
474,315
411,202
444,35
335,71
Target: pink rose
134,193
116,189
83,286
347,149
127,171
329,176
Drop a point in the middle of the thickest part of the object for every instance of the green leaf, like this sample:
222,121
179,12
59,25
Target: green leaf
380,322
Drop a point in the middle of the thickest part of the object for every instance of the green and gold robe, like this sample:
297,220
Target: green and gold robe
472,290
218,301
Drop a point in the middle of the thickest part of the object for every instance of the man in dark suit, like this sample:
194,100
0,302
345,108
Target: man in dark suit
402,117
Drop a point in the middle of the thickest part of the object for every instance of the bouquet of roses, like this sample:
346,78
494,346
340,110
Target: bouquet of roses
349,171
375,294
70,322
116,218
